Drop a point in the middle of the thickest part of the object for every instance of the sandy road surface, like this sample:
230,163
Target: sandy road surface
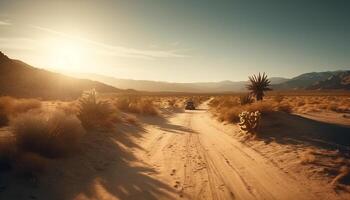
195,157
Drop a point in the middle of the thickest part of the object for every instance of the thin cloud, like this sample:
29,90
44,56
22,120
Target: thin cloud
119,51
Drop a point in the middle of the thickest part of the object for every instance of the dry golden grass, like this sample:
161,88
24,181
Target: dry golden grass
136,105
344,172
227,108
95,113
11,107
307,157
48,134
131,119
307,103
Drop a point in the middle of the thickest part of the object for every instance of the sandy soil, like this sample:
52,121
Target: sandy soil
187,155
194,154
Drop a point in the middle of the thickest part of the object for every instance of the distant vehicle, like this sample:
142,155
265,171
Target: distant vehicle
190,105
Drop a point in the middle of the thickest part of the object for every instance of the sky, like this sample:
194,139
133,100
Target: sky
178,40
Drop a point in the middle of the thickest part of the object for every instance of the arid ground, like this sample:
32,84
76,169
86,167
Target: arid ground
178,154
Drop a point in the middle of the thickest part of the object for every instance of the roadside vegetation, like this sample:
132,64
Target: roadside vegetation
38,132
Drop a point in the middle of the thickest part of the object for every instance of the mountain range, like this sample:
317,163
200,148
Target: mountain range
19,79
307,81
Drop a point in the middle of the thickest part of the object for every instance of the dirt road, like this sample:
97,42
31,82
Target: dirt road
192,153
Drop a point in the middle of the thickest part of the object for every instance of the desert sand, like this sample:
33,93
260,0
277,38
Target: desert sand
186,155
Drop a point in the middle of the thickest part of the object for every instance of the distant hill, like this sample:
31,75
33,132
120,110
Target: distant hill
158,86
22,80
308,81
339,80
318,81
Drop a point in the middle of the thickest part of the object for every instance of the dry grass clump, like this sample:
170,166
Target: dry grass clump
246,99
344,173
94,113
136,105
30,164
49,135
228,108
284,107
305,104
307,157
11,107
130,119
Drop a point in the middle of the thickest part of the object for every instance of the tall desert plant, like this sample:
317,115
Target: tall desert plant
258,85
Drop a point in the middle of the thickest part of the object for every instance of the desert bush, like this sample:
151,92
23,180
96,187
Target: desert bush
11,107
70,108
4,120
278,98
136,105
307,157
246,99
262,107
24,105
30,164
8,153
131,119
49,135
94,113
172,103
250,121
230,115
284,107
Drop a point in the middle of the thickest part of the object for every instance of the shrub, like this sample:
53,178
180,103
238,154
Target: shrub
94,113
4,120
49,135
131,119
278,98
246,99
8,153
24,105
250,121
30,164
10,107
136,105
230,115
284,108
262,107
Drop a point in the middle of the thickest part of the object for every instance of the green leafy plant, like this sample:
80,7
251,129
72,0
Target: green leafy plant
258,85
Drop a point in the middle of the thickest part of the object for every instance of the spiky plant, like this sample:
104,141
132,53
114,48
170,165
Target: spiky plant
250,121
95,113
258,85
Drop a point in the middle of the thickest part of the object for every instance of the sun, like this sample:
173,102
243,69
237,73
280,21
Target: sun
66,54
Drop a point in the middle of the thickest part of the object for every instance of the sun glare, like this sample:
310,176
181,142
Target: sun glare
66,54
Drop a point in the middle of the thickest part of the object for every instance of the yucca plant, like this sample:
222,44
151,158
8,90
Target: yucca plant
258,85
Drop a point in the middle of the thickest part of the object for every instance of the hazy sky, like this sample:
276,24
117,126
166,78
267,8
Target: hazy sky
178,40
